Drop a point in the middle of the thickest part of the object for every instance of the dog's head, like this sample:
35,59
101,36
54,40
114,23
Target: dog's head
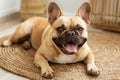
69,33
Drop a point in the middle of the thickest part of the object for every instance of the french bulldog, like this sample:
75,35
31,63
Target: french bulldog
59,39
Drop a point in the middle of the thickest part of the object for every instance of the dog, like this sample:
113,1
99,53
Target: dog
59,39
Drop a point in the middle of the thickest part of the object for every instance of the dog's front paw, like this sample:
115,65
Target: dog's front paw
7,43
47,73
92,70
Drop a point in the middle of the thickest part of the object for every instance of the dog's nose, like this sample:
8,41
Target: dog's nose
70,32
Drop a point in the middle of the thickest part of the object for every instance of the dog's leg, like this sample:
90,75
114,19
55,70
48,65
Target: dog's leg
91,67
26,45
22,31
46,70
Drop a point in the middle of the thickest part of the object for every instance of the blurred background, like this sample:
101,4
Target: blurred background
10,6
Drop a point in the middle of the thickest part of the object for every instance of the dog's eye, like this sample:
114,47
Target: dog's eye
79,28
60,29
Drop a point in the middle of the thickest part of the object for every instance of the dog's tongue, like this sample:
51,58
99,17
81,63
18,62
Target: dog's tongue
71,48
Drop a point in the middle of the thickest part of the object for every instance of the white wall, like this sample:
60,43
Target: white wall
8,7
69,7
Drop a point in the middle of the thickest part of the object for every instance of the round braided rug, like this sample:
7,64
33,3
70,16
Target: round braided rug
106,48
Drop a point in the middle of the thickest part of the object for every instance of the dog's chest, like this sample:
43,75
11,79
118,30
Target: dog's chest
62,58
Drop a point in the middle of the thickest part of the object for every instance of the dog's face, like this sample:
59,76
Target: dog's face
69,33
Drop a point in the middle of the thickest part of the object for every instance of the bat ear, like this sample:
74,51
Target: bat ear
54,12
84,12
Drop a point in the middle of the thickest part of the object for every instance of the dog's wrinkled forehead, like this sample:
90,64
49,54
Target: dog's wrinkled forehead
70,22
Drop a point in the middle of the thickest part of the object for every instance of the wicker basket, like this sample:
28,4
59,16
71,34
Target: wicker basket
30,8
106,14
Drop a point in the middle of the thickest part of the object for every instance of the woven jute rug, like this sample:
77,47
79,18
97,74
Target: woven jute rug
106,48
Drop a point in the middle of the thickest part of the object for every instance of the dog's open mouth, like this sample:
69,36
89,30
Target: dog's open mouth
70,48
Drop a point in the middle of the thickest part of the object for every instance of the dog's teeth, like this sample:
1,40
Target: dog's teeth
63,46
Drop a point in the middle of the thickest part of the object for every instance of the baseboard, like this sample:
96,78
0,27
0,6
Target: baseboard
8,11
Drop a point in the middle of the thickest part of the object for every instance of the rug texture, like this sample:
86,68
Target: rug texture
106,48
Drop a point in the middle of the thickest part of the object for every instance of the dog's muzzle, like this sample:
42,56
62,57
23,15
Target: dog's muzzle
69,42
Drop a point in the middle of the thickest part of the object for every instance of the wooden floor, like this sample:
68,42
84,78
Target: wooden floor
7,26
